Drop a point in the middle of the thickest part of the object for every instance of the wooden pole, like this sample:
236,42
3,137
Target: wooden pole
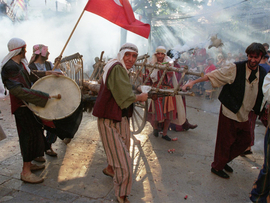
57,62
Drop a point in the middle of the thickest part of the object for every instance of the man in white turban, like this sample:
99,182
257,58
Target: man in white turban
15,76
164,110
113,107
39,62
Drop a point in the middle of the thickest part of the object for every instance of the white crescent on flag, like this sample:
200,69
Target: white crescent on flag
118,3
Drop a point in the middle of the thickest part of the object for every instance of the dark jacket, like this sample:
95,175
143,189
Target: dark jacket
34,76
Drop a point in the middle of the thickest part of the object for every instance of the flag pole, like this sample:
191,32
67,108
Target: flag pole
58,61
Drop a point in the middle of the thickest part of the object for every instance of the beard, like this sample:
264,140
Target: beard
253,65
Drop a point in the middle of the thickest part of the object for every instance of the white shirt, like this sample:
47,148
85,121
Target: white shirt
226,75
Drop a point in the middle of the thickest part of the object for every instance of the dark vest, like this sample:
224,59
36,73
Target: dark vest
232,95
106,106
33,66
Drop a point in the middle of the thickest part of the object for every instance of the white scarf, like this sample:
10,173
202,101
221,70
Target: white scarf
15,46
127,47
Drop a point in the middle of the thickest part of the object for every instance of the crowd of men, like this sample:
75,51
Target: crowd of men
246,87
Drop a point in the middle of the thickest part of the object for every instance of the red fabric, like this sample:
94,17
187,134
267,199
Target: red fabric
161,107
233,138
200,52
105,105
48,123
122,16
160,115
264,116
252,121
210,68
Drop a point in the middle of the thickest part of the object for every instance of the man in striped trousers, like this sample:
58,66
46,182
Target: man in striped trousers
113,107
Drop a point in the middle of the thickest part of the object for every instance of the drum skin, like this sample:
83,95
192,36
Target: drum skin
57,109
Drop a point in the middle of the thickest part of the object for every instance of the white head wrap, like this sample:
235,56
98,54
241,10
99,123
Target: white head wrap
15,46
159,49
127,47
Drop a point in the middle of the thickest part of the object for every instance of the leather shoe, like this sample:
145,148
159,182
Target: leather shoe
67,140
123,199
187,125
220,173
40,159
166,137
32,178
192,126
35,167
107,173
247,152
50,152
228,168
155,132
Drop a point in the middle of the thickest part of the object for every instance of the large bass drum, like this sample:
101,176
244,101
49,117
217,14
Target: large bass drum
61,116
56,109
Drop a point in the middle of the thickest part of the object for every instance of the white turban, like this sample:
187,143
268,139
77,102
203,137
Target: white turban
160,49
15,46
153,61
127,47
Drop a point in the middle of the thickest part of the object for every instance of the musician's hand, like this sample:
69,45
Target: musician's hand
58,59
56,73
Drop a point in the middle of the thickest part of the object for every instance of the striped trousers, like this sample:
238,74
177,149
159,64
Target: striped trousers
115,138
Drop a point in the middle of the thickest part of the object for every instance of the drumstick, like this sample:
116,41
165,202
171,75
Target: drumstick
58,96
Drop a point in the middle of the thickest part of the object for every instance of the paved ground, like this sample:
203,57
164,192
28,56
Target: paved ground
76,174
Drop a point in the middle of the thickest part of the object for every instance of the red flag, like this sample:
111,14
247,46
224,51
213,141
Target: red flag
120,13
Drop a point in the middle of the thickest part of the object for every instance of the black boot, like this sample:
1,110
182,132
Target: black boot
187,125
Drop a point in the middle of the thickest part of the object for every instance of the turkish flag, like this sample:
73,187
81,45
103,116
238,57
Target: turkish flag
120,13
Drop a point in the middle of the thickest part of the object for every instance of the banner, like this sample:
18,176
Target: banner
120,13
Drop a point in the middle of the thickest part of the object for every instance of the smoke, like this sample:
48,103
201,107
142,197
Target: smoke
52,24
237,22
46,26
95,34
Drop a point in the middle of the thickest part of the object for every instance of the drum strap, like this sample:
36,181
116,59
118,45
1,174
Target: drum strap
43,122
29,107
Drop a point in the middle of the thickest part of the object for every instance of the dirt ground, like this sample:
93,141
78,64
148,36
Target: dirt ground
75,175
7,121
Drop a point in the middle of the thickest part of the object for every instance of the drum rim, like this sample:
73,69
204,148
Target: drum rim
45,77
